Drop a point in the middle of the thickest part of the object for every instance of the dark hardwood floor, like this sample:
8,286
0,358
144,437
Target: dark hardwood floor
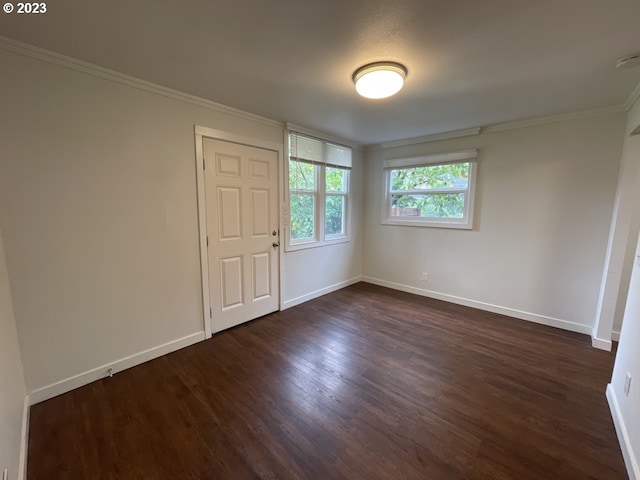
364,383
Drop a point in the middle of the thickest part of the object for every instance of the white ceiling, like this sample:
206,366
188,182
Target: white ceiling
471,62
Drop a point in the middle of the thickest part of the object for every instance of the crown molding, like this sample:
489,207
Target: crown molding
635,95
565,117
87,68
469,132
500,127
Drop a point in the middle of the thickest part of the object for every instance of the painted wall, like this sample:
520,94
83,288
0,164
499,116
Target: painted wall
626,409
631,156
98,209
544,199
623,233
13,391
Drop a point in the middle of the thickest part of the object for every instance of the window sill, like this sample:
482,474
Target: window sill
313,244
460,225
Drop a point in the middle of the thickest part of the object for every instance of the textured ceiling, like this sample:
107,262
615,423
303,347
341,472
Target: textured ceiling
471,63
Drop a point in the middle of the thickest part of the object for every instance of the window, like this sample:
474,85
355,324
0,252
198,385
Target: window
318,192
336,182
430,191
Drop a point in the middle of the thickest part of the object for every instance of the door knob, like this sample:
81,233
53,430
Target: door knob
275,244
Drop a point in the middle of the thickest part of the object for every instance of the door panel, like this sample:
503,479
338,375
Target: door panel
260,213
230,213
231,282
261,275
227,165
241,191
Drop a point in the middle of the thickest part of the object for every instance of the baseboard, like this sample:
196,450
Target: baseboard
531,317
615,336
623,436
318,293
66,385
24,440
601,343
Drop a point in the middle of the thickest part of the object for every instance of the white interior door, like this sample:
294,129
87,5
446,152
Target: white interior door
241,190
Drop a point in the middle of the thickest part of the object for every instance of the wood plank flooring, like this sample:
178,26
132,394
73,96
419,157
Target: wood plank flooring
364,383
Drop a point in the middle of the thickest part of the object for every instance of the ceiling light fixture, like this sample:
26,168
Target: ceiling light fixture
380,79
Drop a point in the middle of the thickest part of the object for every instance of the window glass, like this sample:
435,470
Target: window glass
302,176
302,216
421,192
453,175
336,179
437,205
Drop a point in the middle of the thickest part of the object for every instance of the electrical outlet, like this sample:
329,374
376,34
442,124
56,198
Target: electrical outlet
425,277
627,384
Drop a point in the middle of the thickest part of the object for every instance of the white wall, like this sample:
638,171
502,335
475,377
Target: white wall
623,233
626,410
543,207
631,156
13,391
99,214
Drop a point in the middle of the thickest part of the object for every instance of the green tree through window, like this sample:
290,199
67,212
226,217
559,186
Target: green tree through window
426,190
336,199
303,180
430,190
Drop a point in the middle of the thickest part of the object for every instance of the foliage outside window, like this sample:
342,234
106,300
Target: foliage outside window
303,194
318,192
336,181
432,191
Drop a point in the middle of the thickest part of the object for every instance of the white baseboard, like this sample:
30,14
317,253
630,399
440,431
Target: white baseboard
531,317
68,384
623,436
601,343
615,336
24,440
318,293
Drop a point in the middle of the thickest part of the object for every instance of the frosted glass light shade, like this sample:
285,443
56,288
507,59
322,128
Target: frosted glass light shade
379,80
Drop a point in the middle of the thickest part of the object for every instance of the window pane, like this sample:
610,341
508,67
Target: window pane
302,176
453,175
336,179
302,216
434,205
334,219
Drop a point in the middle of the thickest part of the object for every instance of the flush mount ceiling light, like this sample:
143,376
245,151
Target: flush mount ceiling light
380,79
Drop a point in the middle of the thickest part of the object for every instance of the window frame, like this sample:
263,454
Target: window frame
320,238
331,238
466,222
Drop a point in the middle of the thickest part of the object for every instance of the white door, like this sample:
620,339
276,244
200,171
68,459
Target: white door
241,190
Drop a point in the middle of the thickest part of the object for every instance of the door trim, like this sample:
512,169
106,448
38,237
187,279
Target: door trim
200,134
